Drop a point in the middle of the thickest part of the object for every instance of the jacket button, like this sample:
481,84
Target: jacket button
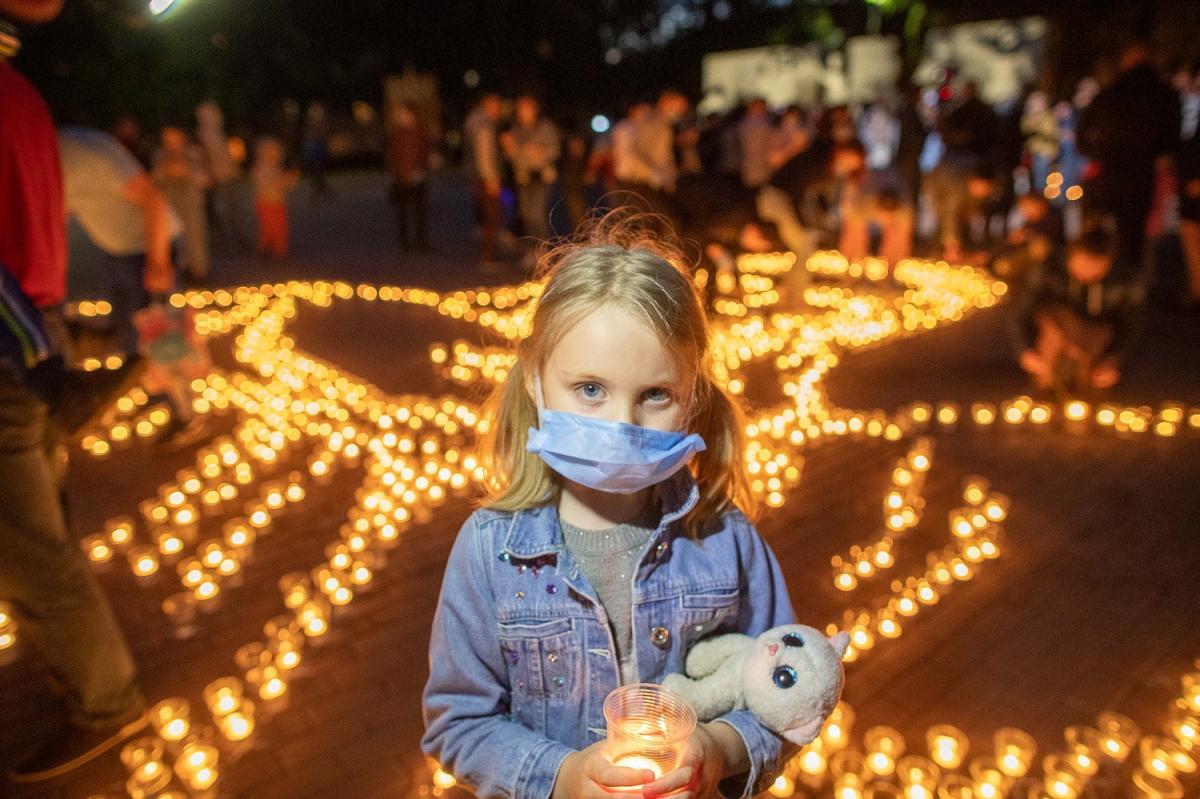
661,637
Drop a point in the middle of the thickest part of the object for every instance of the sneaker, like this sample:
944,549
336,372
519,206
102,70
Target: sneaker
75,747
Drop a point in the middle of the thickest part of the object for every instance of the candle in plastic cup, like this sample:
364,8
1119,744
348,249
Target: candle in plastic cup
647,727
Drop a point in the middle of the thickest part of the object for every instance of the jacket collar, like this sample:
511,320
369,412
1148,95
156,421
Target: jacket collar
536,532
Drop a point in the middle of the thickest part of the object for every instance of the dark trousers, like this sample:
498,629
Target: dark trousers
126,274
487,209
411,213
44,575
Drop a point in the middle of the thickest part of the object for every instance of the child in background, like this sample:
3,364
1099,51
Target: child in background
1077,322
614,537
271,186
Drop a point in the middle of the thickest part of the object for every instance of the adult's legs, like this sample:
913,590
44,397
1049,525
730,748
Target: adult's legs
44,575
531,202
488,207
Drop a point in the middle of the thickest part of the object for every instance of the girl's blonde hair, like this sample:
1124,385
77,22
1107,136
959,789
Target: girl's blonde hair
616,263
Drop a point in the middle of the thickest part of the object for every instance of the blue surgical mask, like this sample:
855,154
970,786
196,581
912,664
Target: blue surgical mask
608,456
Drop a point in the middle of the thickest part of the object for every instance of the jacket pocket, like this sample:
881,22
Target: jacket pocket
702,614
542,657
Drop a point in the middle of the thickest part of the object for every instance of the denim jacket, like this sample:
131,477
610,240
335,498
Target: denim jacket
521,654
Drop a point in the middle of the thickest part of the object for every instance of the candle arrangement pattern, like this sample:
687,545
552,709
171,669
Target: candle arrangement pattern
298,421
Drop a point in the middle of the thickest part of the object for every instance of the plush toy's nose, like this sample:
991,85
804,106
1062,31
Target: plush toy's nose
772,649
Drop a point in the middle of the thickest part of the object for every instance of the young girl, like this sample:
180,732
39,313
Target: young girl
614,538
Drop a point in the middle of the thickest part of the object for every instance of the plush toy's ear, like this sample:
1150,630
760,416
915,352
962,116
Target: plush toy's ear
839,642
806,733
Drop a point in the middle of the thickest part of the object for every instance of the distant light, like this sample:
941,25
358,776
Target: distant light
600,124
721,9
471,78
612,56
364,112
1074,193
159,6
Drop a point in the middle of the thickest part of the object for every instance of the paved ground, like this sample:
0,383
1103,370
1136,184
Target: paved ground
1092,606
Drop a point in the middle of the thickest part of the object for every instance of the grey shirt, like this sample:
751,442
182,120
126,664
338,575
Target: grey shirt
609,559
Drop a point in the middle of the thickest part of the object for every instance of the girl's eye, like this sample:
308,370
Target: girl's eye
658,396
590,391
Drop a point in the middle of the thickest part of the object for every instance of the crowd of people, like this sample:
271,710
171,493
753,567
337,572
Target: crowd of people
1026,189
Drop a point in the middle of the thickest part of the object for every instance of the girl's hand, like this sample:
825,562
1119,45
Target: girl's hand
588,774
701,767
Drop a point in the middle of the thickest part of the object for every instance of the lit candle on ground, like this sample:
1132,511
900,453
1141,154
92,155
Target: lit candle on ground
1014,751
197,766
143,560
223,696
884,745
1146,785
1119,733
238,725
169,718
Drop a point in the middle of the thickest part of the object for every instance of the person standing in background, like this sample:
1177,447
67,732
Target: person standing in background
481,155
407,162
1129,130
755,134
180,172
43,572
223,172
272,182
532,147
126,216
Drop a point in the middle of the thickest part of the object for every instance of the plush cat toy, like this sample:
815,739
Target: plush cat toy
790,677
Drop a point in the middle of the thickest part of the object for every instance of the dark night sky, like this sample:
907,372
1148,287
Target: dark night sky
106,57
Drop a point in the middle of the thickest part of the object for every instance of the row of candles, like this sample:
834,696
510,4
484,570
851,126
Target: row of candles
1159,767
902,507
976,535
194,748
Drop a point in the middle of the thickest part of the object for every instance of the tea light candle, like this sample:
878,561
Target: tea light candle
238,534
783,787
1014,751
647,727
223,696
1119,735
238,725
813,761
180,608
1152,786
1184,727
271,685
169,544
1163,757
990,782
98,548
197,766
191,572
1084,747
143,560
835,735
882,790
251,656
296,589
1190,690
1060,779
143,758
169,718
884,745
119,530
975,489
955,786
914,769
